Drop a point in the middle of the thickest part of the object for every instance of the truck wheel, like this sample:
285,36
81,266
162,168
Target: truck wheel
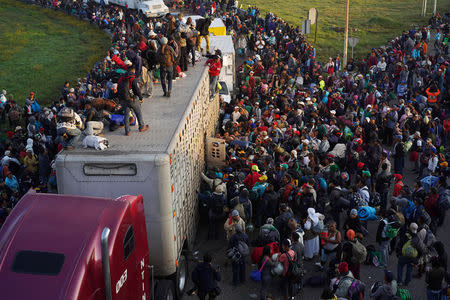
182,273
165,290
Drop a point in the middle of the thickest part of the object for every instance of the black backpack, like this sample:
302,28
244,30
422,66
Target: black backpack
124,89
217,204
152,59
375,199
295,272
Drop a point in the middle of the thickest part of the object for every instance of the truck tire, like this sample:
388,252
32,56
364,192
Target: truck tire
182,276
165,290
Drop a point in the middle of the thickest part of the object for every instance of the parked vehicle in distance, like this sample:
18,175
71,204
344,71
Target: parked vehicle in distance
150,8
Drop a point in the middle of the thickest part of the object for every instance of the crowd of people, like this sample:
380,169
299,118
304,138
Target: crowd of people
308,144
315,152
144,50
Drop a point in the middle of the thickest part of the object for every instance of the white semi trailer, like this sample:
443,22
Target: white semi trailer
163,164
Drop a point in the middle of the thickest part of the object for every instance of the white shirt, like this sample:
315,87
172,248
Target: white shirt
382,65
235,116
432,163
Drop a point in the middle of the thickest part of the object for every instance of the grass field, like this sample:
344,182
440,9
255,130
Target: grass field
375,21
41,48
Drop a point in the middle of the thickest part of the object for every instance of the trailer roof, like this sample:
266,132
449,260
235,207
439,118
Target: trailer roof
45,238
163,115
222,42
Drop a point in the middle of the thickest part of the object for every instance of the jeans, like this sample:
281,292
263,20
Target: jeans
73,134
266,280
136,107
287,287
213,85
202,295
433,295
402,261
166,72
325,256
215,221
384,196
191,50
238,272
384,249
398,165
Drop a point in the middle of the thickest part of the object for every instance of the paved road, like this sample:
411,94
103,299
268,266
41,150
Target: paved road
250,290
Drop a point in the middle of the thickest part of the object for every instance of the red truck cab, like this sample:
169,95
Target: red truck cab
72,247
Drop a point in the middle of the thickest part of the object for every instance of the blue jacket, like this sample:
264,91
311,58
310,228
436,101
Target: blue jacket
205,276
35,107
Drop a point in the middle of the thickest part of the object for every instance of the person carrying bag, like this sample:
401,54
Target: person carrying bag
264,275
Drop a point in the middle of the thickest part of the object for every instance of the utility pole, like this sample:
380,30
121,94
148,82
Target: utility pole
424,8
434,8
346,33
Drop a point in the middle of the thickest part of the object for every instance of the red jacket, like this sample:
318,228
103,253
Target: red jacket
446,125
431,204
119,62
214,67
142,46
251,179
397,188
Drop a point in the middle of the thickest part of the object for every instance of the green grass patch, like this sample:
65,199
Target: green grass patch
41,48
375,21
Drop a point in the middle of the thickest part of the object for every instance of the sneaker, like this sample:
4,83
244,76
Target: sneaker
168,94
165,94
69,148
127,133
145,128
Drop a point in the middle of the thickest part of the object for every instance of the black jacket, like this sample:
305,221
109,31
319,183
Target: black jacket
205,276
380,229
134,84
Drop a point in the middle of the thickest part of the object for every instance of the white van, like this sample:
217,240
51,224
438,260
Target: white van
150,8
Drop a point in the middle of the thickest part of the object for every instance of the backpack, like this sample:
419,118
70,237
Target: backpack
66,112
343,286
444,200
357,200
234,254
391,231
295,271
356,290
152,59
408,250
318,228
369,249
217,204
375,199
359,253
267,236
403,294
243,248
124,89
